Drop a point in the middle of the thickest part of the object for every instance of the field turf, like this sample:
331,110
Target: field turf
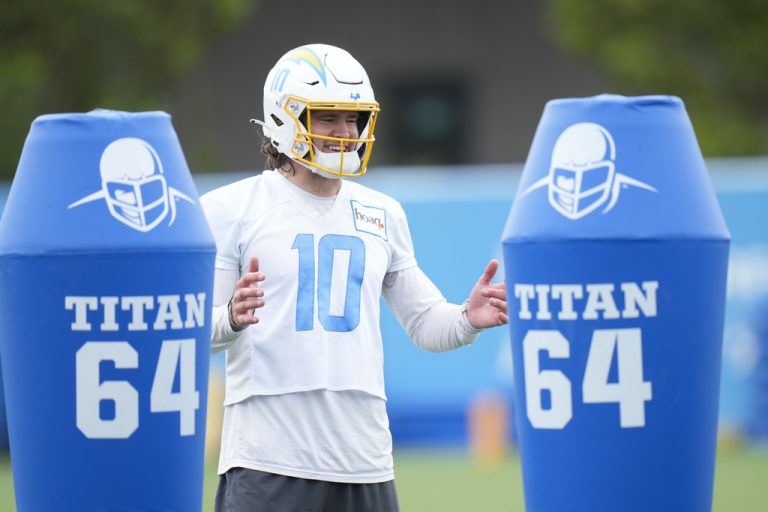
449,481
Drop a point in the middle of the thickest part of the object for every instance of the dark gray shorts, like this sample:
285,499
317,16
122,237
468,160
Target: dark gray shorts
246,490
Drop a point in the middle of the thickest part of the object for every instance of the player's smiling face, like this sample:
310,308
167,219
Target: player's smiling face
334,123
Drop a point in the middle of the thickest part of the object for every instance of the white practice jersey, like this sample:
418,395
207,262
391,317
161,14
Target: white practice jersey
304,389
319,327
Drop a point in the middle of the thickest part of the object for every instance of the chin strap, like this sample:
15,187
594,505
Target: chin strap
351,163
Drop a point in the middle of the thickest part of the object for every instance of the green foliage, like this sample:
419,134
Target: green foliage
75,55
711,53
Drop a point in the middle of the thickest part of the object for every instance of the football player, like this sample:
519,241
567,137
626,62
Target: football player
303,258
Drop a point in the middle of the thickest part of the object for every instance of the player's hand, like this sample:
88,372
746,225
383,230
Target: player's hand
247,297
488,302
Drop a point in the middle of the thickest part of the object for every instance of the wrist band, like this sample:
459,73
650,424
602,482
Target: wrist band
232,322
468,326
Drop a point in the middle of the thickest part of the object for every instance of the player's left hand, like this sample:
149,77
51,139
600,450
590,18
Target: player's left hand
488,302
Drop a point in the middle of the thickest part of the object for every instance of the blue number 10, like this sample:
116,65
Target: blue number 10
305,300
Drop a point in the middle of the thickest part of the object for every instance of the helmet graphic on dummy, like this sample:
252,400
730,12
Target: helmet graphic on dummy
319,77
133,183
582,169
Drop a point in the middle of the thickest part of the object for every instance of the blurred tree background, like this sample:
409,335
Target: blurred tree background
711,53
76,55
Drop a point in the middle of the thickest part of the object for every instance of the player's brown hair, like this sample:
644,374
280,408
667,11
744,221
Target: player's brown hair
276,159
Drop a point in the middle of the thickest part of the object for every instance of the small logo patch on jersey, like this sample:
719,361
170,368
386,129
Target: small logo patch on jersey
370,219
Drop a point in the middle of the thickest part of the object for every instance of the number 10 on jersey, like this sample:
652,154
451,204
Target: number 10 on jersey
630,391
331,279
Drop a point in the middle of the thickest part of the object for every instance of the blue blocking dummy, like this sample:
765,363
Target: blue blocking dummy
106,264
615,257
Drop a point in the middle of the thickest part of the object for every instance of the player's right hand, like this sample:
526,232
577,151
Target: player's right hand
247,297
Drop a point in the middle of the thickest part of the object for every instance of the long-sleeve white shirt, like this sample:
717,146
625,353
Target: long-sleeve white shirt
304,387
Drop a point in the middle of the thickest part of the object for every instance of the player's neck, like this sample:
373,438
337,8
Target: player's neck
312,182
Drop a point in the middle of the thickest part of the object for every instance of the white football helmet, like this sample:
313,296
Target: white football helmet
319,77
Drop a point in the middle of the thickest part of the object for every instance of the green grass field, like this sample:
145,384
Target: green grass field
449,481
